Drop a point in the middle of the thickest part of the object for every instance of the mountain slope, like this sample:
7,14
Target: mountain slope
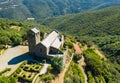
98,27
96,23
40,9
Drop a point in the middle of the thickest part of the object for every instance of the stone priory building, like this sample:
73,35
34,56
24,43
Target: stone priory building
48,47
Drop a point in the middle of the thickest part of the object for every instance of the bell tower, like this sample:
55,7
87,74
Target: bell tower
33,39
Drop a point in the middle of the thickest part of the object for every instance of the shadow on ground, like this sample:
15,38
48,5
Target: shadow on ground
20,58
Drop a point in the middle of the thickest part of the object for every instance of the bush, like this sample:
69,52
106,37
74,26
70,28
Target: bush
49,68
76,57
94,63
69,44
47,78
7,69
57,63
7,80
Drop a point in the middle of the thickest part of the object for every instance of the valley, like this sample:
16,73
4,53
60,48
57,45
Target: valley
39,9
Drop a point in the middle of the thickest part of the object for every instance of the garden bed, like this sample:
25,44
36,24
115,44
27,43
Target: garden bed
27,71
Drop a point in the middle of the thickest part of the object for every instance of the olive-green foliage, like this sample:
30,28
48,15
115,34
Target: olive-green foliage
69,44
90,77
76,57
57,63
47,78
96,27
96,23
94,64
109,45
102,71
5,70
49,69
7,80
40,9
13,36
74,74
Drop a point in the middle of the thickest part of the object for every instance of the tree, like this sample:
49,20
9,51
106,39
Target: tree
57,63
76,57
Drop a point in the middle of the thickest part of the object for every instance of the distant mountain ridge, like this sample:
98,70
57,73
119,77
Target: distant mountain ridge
40,9
95,23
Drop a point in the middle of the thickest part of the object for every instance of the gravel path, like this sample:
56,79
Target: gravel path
13,57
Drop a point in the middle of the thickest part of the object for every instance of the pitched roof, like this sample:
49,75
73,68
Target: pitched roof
56,43
50,39
35,30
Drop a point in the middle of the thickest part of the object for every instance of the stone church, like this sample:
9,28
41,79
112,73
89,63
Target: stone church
48,47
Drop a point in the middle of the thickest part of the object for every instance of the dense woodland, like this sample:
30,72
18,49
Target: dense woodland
99,70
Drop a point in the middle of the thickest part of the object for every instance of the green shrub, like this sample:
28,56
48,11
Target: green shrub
47,78
57,63
50,68
68,44
5,70
76,57
7,80
90,77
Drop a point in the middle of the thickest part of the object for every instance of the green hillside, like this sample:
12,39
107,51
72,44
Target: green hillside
96,23
101,28
14,32
40,9
98,27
